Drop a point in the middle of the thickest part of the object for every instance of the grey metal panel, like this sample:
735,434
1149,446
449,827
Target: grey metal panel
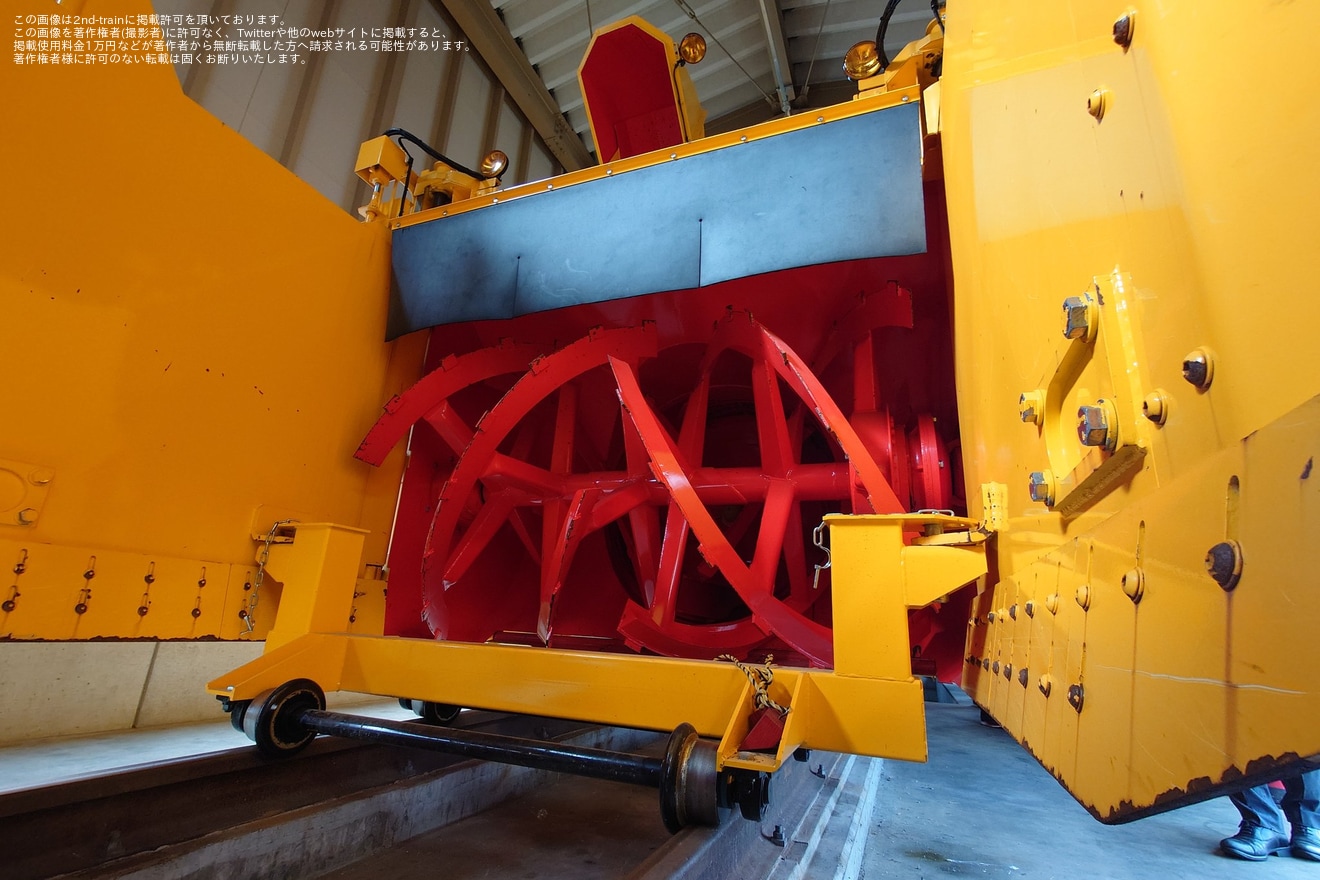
460,275
843,190
610,239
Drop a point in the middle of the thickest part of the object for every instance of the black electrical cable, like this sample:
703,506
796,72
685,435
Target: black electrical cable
884,26
404,135
880,33
407,179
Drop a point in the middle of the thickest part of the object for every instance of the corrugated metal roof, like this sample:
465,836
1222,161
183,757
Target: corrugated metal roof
815,33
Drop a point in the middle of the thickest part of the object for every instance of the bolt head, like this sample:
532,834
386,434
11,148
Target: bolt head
27,516
1098,103
1092,426
1031,407
1134,584
1155,406
1040,485
1123,30
1077,317
1224,563
1198,369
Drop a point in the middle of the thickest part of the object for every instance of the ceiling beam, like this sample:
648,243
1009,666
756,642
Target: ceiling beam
779,65
496,46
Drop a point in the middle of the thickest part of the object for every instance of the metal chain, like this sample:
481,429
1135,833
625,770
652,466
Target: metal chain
818,538
250,613
760,678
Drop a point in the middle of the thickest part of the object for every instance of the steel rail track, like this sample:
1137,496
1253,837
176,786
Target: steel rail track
88,823
237,814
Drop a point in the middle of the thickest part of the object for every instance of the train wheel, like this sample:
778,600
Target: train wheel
271,719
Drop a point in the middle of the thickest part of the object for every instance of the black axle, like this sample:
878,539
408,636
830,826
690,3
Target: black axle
596,763
692,787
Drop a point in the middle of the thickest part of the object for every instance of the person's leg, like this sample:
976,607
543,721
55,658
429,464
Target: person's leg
1263,831
1301,807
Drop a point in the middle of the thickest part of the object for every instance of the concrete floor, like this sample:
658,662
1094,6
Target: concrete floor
583,829
983,807
60,759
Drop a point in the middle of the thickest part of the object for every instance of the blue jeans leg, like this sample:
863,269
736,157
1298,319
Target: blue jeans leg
1301,800
1258,808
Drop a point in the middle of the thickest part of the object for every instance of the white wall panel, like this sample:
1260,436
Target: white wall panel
314,115
467,130
509,137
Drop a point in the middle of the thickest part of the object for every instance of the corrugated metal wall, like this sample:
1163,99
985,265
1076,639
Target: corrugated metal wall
312,116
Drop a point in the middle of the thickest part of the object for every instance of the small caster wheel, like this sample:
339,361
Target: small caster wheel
433,713
237,709
273,720
754,798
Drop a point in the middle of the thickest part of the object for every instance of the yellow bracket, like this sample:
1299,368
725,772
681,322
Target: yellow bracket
869,704
1086,473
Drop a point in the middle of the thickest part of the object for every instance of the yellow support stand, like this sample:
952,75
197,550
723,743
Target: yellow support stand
870,704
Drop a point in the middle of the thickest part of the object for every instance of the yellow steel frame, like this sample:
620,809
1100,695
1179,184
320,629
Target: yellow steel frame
868,704
178,381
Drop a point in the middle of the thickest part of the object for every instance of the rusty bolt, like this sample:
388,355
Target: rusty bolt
1224,562
1199,369
1031,407
1094,426
1040,486
1078,315
1155,406
1123,30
